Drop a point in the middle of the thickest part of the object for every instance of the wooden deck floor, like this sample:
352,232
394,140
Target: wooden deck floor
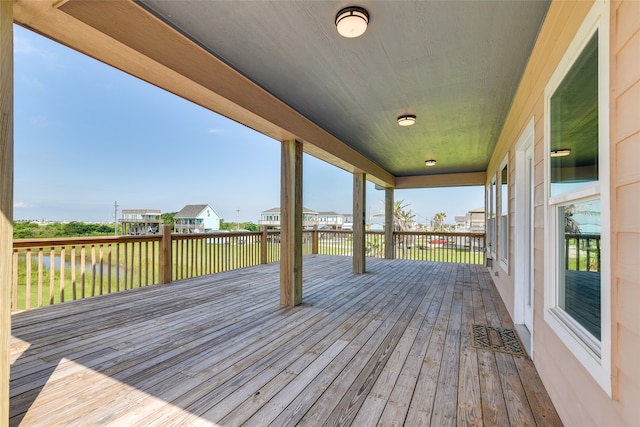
389,347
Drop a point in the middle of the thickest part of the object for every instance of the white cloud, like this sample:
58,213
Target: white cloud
22,45
21,205
215,131
40,121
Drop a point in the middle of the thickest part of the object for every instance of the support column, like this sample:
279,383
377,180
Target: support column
291,224
389,244
6,198
359,215
165,255
264,244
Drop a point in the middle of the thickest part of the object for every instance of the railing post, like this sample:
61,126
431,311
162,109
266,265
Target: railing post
314,240
263,245
165,256
389,240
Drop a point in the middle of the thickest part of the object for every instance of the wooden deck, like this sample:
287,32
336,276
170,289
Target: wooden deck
389,347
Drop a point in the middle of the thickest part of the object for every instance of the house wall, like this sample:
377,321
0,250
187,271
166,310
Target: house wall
211,222
579,399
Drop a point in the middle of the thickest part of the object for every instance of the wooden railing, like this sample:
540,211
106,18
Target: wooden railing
49,271
582,252
200,254
466,248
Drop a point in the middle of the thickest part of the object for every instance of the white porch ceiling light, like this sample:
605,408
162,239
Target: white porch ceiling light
352,21
407,120
560,153
430,162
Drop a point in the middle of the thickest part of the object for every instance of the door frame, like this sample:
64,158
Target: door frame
524,231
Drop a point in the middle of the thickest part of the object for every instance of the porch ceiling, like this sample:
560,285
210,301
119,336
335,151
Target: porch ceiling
456,65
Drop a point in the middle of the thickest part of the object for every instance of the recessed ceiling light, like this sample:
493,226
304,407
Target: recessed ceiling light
430,162
352,21
560,153
406,120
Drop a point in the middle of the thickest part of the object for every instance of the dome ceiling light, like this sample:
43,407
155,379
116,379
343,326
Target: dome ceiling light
407,120
352,21
560,153
430,162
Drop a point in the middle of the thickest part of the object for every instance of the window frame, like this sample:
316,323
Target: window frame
594,355
491,216
503,251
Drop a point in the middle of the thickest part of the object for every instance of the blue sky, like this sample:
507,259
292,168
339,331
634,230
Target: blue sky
87,135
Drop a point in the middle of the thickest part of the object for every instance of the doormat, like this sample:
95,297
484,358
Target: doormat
497,339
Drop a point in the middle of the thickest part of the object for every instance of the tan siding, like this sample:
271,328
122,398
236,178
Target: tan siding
627,155
627,120
628,267
578,398
627,17
627,58
628,360
629,296
625,185
628,208
629,407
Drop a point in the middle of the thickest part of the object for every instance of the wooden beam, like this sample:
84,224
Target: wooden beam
291,224
6,198
388,224
359,203
443,180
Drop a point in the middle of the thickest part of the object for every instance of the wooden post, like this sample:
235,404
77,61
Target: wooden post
291,224
6,198
165,255
264,244
389,244
359,216
314,240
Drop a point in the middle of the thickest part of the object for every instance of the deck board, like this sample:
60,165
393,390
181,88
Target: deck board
389,347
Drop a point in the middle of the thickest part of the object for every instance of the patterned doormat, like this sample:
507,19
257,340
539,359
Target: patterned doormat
497,339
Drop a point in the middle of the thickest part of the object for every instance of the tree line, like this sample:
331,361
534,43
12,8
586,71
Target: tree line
32,230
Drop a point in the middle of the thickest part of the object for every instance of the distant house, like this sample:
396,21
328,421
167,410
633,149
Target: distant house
472,222
331,220
196,219
347,221
476,220
140,221
271,218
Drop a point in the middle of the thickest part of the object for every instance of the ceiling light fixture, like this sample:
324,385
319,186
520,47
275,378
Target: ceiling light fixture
560,153
430,162
352,21
406,120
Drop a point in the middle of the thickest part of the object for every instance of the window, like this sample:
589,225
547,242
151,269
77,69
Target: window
577,289
504,217
491,217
